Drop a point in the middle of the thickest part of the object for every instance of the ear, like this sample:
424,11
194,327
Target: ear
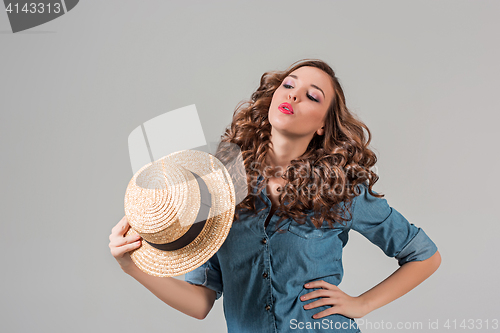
321,131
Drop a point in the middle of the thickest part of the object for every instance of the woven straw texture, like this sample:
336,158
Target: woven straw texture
156,211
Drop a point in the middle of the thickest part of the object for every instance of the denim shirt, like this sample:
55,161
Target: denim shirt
262,272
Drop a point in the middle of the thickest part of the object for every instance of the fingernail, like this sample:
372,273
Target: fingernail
307,284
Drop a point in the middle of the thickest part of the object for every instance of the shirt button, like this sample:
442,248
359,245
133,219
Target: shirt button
268,307
264,275
264,241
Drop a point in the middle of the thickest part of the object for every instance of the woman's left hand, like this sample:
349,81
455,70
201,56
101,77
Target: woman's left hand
352,307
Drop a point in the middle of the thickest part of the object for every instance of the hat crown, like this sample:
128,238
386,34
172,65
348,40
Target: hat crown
214,187
162,199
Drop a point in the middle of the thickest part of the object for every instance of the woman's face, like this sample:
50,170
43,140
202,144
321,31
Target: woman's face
299,105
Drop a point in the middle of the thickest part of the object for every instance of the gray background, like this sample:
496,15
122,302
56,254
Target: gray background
423,75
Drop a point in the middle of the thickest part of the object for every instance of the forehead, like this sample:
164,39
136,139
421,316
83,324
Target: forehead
312,75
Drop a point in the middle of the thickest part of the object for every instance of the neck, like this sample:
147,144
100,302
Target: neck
284,150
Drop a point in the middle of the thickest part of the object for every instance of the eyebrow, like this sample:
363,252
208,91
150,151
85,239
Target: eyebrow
312,85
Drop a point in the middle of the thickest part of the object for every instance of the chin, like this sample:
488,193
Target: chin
283,130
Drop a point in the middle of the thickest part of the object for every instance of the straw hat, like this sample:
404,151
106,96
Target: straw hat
183,206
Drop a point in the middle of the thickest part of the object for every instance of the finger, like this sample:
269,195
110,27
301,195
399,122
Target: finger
320,302
133,246
120,241
121,227
325,313
316,294
314,284
120,251
320,284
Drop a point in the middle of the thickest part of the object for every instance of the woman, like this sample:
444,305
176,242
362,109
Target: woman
308,167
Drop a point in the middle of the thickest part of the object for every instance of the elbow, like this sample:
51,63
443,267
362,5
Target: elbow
435,261
202,302
432,263
203,316
437,258
203,311
200,315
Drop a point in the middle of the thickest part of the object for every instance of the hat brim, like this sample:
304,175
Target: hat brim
178,262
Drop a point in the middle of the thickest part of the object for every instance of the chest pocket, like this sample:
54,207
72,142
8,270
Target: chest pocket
306,230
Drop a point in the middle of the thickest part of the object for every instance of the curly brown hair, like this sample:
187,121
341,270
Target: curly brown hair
328,172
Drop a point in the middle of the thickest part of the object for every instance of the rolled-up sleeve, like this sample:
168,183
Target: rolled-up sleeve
208,275
385,227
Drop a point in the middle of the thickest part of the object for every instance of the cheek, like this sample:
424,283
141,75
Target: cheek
320,111
276,96
280,92
275,101
316,115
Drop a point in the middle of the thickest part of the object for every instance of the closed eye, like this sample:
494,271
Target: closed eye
312,98
287,86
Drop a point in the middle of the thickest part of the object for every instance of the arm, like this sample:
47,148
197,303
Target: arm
400,282
388,229
195,301
407,277
385,227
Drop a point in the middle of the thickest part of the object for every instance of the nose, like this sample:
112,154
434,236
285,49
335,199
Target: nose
292,96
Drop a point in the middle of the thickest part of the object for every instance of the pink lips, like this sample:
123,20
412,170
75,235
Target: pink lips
286,108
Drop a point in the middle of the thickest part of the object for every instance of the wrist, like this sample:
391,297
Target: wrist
129,268
365,304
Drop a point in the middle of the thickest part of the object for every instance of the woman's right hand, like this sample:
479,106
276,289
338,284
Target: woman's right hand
120,245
